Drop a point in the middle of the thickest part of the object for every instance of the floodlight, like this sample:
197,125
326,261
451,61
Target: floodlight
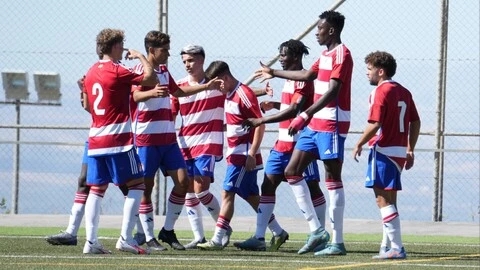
15,84
47,85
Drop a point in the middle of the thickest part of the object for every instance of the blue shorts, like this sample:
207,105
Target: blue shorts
201,166
240,181
277,162
324,145
85,154
116,168
382,172
165,157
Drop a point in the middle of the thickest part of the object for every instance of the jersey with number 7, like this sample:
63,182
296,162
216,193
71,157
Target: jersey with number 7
392,105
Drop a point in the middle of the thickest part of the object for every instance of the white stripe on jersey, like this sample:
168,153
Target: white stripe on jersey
154,127
235,131
112,129
204,116
200,139
154,104
330,113
283,135
244,97
393,151
109,150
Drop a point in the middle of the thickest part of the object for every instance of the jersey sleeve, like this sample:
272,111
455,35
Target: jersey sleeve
300,92
377,106
129,75
342,66
175,105
315,66
413,112
249,105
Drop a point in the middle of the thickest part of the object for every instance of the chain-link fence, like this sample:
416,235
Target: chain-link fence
40,171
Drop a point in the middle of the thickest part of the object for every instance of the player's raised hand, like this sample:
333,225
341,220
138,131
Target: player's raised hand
215,84
268,90
132,54
264,73
266,106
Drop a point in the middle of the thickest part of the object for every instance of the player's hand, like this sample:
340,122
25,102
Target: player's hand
251,122
250,163
297,124
215,84
159,91
268,90
266,106
409,161
80,83
357,152
264,73
132,54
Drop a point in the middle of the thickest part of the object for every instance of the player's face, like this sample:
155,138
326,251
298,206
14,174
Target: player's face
117,51
372,74
161,54
193,63
324,32
286,60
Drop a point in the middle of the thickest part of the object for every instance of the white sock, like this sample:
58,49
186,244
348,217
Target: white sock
220,229
210,202
174,209
92,215
76,214
320,206
337,207
302,195
130,213
274,226
139,226
264,212
146,219
194,214
391,219
385,240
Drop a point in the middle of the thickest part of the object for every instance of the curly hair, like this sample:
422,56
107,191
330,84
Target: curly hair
382,60
294,47
155,39
107,38
334,18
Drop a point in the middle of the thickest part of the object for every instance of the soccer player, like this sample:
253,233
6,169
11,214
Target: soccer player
112,156
296,96
201,140
156,139
328,122
391,133
243,152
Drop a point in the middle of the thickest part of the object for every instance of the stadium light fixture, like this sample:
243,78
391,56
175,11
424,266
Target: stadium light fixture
47,86
15,84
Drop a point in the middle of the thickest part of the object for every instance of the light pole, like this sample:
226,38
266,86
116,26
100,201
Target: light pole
15,84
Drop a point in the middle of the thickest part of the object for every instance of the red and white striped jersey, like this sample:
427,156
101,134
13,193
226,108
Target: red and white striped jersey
201,130
108,85
152,119
292,92
240,104
392,105
335,116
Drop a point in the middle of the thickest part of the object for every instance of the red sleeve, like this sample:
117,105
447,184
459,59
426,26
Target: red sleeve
342,67
315,66
377,106
249,106
175,105
301,91
128,76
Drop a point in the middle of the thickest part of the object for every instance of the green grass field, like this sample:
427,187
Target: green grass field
25,248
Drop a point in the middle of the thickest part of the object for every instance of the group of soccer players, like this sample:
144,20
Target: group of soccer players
133,135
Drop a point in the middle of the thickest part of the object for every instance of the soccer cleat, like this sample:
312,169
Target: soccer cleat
252,244
393,253
123,245
278,240
383,250
153,245
140,238
316,238
95,248
63,238
194,243
170,238
322,246
332,249
226,237
210,245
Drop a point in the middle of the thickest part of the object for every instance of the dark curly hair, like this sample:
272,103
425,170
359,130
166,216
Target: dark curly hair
294,47
382,60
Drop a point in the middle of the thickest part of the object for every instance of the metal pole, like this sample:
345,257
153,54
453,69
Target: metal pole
163,27
439,155
16,162
302,35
